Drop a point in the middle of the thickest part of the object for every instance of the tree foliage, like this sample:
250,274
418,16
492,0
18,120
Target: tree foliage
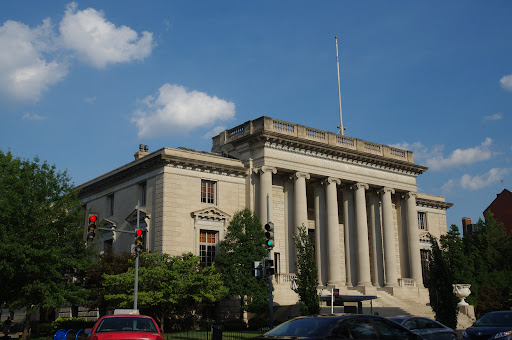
481,259
167,286
111,263
244,244
307,273
440,278
41,233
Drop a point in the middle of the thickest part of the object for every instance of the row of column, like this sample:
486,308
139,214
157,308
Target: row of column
357,254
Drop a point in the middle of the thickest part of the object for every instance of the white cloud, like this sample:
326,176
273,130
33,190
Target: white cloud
494,175
98,41
506,82
32,116
24,70
214,132
496,116
433,157
176,110
448,186
462,157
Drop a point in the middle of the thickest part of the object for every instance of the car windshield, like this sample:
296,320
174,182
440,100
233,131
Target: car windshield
126,324
495,320
305,327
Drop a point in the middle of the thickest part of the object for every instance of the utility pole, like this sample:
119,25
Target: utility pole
136,287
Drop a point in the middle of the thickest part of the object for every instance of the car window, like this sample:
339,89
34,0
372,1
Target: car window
123,324
427,324
495,319
391,331
305,327
410,324
358,329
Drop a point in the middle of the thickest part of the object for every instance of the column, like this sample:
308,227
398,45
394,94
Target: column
413,238
300,201
333,233
350,236
376,241
388,231
363,252
320,237
265,188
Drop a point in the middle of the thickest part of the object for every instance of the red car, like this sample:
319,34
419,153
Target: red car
124,327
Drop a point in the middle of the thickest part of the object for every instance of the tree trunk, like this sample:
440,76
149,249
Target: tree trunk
26,327
241,316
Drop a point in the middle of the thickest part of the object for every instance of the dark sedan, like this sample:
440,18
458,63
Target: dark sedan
353,326
493,325
427,328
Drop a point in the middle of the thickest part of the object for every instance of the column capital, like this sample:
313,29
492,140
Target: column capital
360,185
410,194
330,180
300,174
385,190
265,168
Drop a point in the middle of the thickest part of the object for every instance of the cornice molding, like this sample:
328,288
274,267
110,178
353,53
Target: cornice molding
309,148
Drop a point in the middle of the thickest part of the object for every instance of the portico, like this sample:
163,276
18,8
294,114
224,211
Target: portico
344,190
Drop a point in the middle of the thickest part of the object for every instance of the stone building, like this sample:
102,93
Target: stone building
358,200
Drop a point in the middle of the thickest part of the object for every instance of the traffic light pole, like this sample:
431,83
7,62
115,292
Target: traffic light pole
136,286
270,297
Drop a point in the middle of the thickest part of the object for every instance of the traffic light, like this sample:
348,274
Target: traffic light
91,228
268,267
269,234
139,241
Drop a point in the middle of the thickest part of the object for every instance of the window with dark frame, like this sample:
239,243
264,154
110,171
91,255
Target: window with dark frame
422,220
110,204
207,247
142,193
208,191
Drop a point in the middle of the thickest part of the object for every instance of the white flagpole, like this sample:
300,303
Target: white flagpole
339,88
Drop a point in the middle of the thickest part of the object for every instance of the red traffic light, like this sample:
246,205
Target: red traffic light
93,218
139,232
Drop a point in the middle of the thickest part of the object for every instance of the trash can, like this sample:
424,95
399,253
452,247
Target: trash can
217,332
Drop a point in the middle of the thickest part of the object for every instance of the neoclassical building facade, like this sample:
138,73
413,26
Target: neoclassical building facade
357,199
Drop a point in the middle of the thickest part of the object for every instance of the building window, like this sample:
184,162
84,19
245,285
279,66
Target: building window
208,191
422,220
110,204
425,258
142,194
207,247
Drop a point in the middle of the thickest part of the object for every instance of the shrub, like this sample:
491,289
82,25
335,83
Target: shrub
234,325
258,324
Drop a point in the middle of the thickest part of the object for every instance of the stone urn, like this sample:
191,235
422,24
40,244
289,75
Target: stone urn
461,290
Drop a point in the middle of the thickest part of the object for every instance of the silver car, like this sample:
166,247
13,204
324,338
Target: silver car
427,328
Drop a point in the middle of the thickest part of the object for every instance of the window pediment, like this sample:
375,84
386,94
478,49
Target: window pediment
143,215
210,213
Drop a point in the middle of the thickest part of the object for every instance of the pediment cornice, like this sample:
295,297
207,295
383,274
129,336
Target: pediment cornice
210,213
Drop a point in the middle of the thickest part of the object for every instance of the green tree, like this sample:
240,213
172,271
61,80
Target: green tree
244,243
439,283
307,273
491,250
41,233
110,263
168,285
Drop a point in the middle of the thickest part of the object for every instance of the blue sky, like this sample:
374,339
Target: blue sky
83,83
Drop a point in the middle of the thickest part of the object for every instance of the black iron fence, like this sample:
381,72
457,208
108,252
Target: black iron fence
212,334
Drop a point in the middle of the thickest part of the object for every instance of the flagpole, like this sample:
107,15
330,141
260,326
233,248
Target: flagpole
339,88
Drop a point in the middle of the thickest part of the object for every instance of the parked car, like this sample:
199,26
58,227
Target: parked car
354,326
427,328
124,327
493,325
